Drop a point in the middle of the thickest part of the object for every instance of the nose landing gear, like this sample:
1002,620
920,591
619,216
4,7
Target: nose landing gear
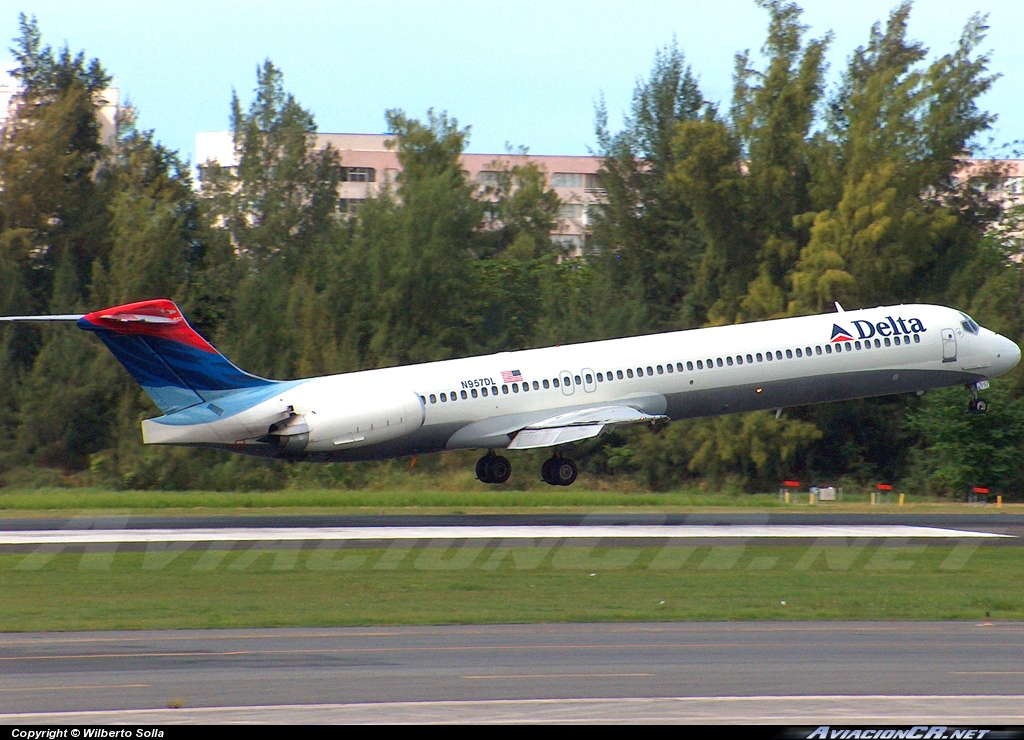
493,468
977,405
558,471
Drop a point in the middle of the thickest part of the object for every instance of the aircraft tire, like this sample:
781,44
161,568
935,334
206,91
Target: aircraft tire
482,472
498,469
547,472
564,472
980,407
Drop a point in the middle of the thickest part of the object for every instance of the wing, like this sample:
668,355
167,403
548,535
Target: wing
577,425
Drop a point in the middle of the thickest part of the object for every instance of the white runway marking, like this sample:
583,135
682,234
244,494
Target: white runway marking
316,534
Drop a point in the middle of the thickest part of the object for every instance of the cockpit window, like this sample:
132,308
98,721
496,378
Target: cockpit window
969,324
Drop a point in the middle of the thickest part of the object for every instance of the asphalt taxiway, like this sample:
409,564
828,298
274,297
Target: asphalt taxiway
701,672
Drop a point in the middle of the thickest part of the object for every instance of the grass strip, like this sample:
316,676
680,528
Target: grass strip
575,499
255,587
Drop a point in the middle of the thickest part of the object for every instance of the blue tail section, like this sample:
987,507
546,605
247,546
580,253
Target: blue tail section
168,358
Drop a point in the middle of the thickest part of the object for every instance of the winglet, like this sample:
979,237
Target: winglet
840,309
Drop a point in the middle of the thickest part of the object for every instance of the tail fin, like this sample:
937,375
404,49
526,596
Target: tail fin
172,363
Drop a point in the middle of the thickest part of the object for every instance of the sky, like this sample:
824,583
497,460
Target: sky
525,73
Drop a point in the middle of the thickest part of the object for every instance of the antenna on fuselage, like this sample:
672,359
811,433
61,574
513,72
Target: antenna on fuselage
839,309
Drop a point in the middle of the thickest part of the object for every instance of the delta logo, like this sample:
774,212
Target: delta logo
867,329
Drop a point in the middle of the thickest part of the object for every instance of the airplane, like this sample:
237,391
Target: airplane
539,398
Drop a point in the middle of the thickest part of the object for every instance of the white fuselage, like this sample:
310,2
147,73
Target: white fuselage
482,402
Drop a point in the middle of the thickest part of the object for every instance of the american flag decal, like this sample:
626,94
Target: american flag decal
511,376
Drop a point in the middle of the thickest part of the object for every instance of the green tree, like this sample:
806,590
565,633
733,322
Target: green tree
647,242
902,224
412,249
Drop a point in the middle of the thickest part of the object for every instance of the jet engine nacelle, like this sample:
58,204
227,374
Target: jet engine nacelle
348,423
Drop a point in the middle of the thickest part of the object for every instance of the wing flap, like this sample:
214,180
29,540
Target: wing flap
577,425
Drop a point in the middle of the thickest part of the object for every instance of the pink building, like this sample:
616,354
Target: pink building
369,164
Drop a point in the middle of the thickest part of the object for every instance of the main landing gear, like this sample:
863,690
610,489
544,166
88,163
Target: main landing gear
558,471
493,468
977,405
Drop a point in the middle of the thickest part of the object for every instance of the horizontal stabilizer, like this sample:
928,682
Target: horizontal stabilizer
577,425
54,317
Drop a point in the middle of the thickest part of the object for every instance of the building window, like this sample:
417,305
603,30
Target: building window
348,206
593,182
488,178
570,210
566,180
359,174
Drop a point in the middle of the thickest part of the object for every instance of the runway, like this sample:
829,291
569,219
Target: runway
611,529
788,673
350,534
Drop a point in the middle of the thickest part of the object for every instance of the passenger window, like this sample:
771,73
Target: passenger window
639,372
760,357
896,339
546,385
515,387
483,391
817,350
670,368
749,359
618,374
689,366
798,352
554,382
650,371
778,354
917,339
444,397
728,361
589,378
661,371
887,342
473,393
848,347
504,389
719,361
600,377
526,387
789,354
536,385
577,378
878,343
839,348
739,359
679,366
629,373
463,394
768,356
828,349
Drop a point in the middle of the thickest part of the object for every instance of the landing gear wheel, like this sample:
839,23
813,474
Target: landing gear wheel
558,471
564,472
545,472
977,406
499,469
493,468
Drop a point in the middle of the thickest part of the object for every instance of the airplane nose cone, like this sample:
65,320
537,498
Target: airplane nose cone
1007,354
